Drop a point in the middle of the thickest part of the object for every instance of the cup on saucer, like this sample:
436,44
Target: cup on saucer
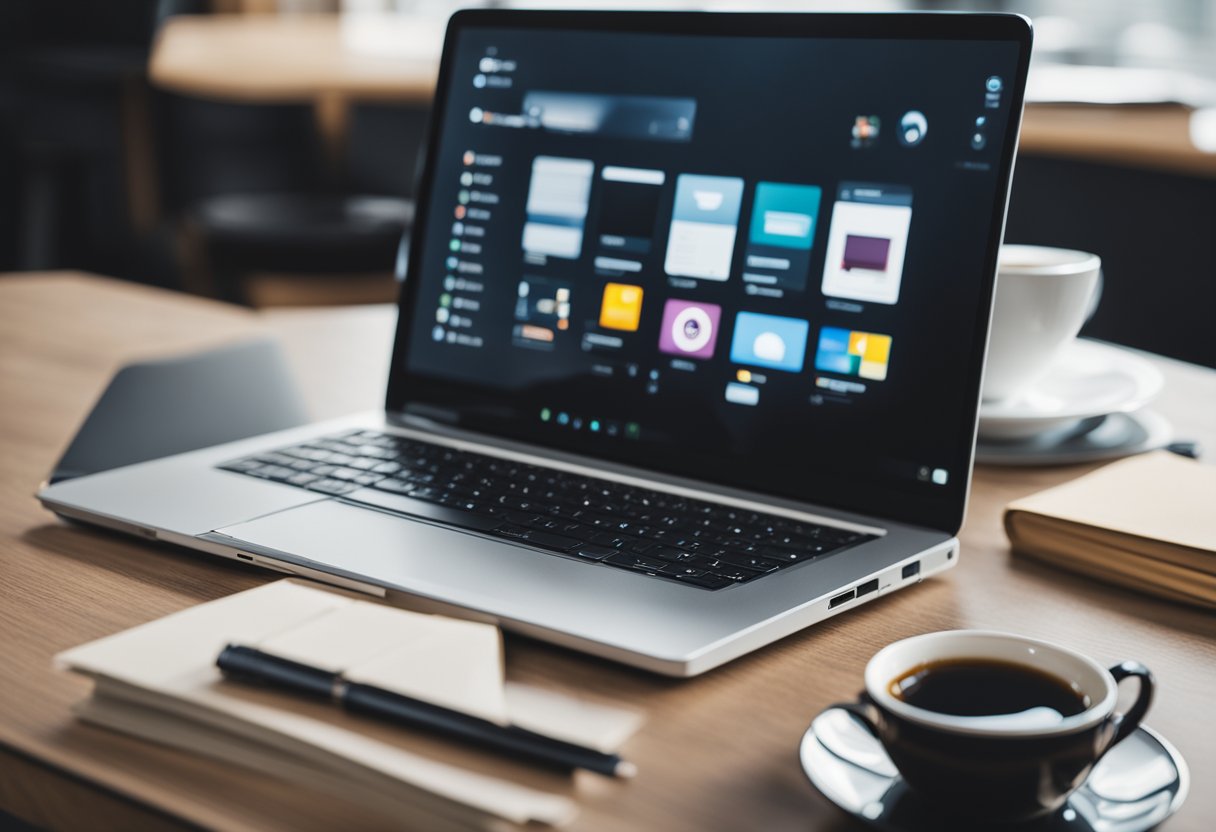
991,726
1043,296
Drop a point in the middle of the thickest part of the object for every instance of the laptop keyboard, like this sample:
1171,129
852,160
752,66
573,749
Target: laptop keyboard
663,535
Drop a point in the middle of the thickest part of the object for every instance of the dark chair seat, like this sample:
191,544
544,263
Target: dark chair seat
258,193
309,233
304,219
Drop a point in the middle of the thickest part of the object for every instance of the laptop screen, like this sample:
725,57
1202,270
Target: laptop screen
757,252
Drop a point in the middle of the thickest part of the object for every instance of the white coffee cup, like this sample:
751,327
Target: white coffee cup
1043,296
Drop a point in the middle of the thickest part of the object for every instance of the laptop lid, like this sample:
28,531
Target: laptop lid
756,250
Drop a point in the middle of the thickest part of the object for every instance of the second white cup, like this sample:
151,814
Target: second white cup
1043,296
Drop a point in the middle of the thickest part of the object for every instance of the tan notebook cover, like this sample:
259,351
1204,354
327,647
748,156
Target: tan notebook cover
166,671
1147,522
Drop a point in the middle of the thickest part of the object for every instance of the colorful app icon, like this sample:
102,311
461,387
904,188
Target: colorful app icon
702,237
865,131
542,311
853,353
867,242
769,341
622,307
689,329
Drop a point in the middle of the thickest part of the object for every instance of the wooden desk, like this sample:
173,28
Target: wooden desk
718,752
1147,137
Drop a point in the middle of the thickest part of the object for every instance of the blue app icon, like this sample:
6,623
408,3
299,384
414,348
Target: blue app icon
769,341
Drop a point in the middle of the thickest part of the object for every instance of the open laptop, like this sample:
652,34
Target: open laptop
690,349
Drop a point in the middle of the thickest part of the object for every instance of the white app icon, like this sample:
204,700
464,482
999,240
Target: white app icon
786,224
768,346
912,128
692,329
708,200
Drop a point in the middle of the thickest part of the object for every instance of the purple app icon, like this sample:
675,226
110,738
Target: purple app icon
689,329
861,252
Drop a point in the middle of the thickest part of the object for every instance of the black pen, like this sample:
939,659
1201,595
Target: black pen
248,664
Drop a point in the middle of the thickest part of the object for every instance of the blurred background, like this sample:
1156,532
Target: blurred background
264,151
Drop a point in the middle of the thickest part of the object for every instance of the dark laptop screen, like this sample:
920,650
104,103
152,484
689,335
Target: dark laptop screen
759,260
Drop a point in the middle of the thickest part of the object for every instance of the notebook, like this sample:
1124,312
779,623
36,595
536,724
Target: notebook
1147,523
159,681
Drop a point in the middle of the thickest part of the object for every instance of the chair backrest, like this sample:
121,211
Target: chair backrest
383,146
207,148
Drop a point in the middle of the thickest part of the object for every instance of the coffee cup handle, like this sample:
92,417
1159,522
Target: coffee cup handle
862,710
1127,723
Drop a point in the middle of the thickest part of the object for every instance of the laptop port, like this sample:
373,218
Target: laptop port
911,570
842,598
868,587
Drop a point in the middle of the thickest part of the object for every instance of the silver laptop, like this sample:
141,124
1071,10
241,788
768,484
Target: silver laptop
690,349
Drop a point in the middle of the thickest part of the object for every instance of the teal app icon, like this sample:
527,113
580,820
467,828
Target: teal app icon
784,215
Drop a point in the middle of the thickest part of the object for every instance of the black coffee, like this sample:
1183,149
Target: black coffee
1015,694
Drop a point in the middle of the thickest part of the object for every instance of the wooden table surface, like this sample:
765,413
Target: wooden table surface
306,58
290,58
717,752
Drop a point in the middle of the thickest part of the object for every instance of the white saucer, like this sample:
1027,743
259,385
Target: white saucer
1089,379
1138,784
1090,440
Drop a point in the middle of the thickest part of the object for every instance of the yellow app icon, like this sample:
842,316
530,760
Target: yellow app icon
622,307
874,352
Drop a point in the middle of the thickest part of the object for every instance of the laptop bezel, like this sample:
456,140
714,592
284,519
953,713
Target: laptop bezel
943,510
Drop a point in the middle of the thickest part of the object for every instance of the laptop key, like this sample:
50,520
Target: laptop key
274,472
735,573
396,486
539,538
592,552
753,562
616,541
708,581
632,561
668,553
552,541
275,459
523,518
681,571
786,555
241,466
401,504
702,562
327,486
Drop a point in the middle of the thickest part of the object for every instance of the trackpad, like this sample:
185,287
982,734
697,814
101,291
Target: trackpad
500,578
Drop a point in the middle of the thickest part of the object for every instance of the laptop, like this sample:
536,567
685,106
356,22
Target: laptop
690,348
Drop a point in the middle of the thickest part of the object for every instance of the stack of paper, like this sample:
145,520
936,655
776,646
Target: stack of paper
1148,523
159,681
